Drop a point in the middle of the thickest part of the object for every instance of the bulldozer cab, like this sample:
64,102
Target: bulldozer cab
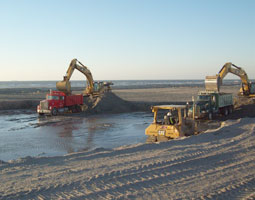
161,129
165,113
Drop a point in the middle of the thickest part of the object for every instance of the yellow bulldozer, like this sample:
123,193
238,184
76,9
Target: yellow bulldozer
170,122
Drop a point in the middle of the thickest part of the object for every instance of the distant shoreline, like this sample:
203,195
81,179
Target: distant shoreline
118,84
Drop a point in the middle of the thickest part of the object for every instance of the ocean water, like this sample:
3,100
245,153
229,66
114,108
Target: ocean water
118,84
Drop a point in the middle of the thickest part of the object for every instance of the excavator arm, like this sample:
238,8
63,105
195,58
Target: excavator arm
213,83
65,85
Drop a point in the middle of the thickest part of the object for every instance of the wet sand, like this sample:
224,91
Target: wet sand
216,164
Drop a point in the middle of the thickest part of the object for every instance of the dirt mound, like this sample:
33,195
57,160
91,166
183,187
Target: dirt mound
111,103
241,101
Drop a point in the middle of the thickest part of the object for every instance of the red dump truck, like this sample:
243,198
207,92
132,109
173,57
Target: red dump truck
58,102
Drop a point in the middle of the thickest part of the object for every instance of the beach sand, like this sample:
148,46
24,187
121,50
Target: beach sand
216,164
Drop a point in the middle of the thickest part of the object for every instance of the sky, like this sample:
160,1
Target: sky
125,39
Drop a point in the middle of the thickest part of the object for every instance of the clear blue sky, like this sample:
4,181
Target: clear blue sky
132,39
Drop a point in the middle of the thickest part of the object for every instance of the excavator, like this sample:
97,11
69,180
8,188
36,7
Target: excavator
63,100
213,83
92,89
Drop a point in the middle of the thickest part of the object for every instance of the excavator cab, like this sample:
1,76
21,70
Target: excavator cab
252,88
98,88
161,130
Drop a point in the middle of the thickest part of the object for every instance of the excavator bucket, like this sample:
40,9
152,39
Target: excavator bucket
212,83
64,86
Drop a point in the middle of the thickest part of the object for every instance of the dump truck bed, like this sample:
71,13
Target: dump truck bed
225,100
74,100
222,99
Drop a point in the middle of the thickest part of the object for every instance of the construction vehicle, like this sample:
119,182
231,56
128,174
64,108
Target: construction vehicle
161,130
213,83
93,88
210,103
64,101
58,102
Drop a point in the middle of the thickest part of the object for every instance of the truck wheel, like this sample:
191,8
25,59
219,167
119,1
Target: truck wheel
230,110
210,116
78,108
54,111
226,111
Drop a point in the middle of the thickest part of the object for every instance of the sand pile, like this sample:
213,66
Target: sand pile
240,101
111,103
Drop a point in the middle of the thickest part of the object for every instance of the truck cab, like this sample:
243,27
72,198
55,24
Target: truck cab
54,101
203,106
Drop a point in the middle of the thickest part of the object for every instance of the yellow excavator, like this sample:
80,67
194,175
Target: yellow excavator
93,88
213,83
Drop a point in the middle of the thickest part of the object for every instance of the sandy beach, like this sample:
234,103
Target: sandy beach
219,163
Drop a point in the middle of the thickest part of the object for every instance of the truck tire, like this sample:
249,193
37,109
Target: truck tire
54,111
78,108
230,110
226,111
210,116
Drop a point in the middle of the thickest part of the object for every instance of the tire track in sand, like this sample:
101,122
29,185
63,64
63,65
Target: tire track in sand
149,175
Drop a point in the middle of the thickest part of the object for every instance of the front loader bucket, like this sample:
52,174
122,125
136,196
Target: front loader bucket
212,83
